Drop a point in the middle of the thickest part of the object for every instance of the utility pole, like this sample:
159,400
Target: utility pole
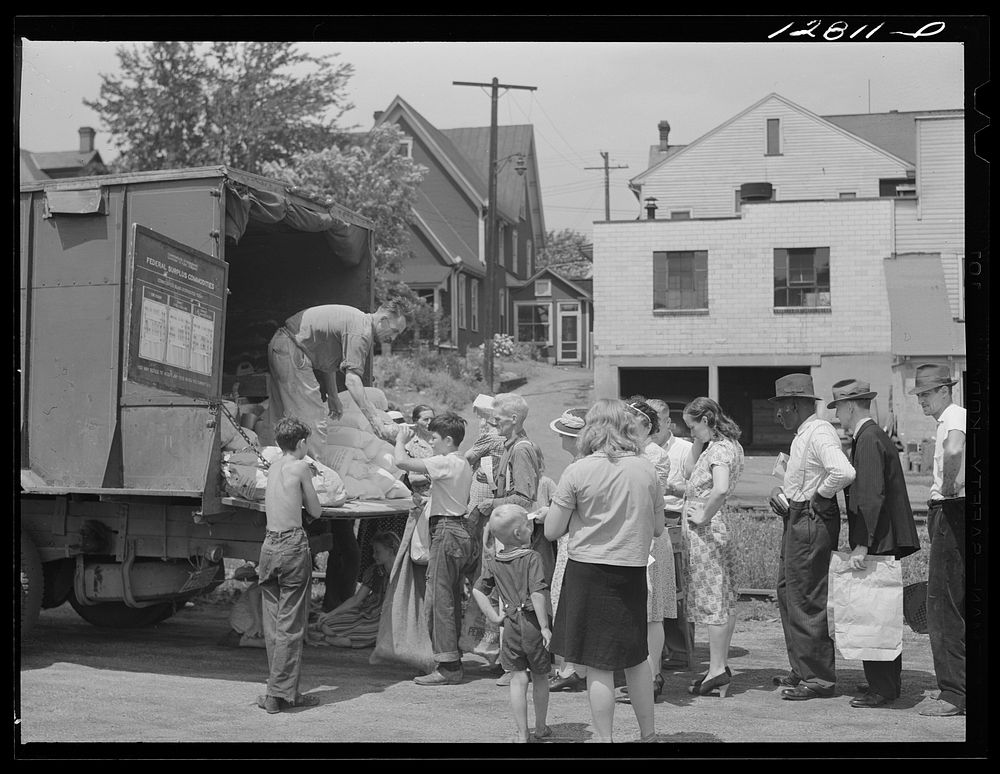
607,183
489,281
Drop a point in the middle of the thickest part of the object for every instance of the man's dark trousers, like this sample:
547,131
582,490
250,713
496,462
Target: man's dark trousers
809,537
946,596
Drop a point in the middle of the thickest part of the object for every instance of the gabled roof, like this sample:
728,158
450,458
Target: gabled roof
29,169
637,180
464,173
474,144
584,288
66,159
893,131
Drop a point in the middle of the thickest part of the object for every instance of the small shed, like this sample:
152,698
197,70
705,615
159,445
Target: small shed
556,314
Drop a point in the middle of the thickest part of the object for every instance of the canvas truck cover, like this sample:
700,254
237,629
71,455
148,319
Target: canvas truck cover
126,284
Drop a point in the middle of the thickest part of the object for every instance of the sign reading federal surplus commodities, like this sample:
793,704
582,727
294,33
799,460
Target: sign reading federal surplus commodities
178,298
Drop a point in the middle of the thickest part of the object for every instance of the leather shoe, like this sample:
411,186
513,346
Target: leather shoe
870,700
941,709
803,692
785,681
571,682
270,704
440,677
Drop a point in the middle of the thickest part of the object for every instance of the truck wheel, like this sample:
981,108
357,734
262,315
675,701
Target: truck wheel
32,584
118,615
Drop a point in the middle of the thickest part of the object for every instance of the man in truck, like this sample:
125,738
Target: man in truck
310,348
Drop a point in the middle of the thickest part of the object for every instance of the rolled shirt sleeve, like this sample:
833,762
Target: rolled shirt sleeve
838,471
357,349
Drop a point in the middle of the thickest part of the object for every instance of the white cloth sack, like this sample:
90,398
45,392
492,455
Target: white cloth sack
420,542
865,607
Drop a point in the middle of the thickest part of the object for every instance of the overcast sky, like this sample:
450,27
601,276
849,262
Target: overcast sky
591,97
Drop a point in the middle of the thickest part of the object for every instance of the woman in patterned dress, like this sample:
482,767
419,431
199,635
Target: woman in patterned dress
712,469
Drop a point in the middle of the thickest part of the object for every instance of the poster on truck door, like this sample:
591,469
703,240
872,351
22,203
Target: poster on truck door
176,316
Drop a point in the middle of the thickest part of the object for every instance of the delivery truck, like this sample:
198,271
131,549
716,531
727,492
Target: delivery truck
147,301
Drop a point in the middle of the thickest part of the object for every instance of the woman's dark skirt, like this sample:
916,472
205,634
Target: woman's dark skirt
601,620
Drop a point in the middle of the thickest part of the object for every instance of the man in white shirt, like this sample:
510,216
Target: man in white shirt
946,529
817,469
675,644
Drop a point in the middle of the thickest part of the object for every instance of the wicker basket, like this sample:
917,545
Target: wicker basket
915,606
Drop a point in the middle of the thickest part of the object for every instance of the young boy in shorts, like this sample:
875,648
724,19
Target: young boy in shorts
285,568
453,552
517,573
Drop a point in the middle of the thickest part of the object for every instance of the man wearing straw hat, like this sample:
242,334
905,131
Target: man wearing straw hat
946,529
879,517
817,469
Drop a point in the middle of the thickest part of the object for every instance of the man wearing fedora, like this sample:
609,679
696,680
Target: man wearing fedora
817,469
879,518
946,529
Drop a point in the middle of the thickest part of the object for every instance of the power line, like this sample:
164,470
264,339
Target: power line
607,183
491,281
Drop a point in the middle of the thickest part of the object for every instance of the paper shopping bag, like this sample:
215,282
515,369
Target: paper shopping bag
865,607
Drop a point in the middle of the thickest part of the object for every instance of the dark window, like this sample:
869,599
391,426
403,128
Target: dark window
773,136
680,280
887,186
802,277
533,322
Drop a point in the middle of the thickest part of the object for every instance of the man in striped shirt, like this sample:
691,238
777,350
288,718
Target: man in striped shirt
817,469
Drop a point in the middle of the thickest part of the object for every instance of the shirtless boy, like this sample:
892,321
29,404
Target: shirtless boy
285,568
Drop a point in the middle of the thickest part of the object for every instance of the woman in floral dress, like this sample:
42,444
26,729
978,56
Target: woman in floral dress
712,469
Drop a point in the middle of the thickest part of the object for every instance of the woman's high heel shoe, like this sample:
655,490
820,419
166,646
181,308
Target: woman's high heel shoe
720,682
696,683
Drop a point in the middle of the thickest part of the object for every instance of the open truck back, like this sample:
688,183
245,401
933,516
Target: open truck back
146,297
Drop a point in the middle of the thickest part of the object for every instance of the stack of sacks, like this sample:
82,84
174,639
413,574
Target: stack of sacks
365,462
247,478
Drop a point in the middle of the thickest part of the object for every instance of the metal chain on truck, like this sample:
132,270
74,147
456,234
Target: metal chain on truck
250,444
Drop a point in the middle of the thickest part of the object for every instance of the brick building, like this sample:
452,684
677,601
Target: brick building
783,241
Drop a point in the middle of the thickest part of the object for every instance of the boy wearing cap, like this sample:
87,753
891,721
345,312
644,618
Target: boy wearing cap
879,518
946,529
817,469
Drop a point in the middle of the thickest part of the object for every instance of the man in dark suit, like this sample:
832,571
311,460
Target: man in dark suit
879,518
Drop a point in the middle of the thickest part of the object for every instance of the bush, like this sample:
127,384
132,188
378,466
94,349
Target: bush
441,378
756,534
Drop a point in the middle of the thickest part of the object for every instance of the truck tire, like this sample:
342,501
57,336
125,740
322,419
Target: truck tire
118,615
32,584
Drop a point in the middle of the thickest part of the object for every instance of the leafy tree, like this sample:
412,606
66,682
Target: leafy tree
243,104
567,253
367,174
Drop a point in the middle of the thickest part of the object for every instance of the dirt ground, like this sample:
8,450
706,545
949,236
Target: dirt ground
175,683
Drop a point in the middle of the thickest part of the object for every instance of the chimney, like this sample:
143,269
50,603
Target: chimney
86,139
378,114
664,127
